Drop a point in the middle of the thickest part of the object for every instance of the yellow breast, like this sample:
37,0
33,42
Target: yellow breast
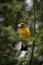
25,32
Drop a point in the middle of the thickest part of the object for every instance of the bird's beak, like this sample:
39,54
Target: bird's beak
19,25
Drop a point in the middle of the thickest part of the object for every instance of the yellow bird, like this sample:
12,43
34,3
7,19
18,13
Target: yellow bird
25,32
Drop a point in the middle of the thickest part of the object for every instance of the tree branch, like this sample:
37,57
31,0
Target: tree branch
33,45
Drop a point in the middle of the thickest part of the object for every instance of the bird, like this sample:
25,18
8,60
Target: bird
24,31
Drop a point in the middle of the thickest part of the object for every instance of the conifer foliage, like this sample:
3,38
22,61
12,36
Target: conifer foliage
13,12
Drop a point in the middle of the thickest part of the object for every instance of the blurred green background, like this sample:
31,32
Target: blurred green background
13,12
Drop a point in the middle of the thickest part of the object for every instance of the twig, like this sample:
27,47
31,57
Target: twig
33,45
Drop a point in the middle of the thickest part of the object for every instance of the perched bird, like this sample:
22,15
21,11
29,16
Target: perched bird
25,32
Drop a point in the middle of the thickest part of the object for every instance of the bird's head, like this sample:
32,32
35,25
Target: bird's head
21,25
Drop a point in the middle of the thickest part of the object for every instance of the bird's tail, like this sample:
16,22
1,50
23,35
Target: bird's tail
24,47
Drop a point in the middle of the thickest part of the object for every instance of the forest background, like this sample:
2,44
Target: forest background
13,12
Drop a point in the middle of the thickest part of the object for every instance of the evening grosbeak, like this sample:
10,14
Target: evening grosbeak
24,32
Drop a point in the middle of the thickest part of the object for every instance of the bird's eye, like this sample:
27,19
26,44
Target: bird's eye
22,25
